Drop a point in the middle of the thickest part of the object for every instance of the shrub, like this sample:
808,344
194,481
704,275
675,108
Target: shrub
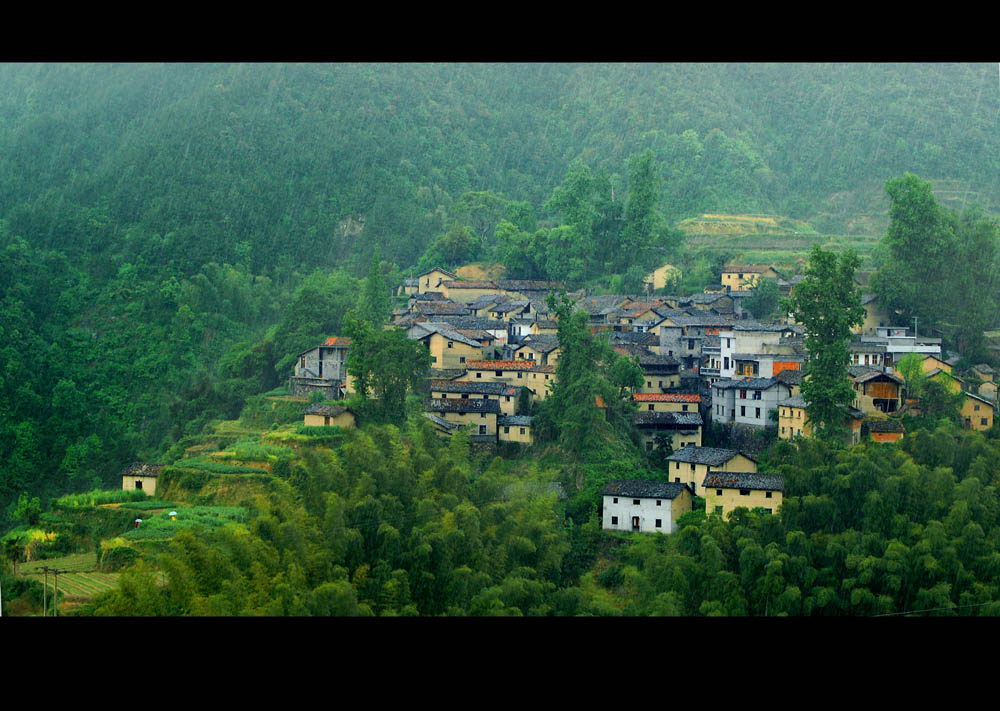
118,558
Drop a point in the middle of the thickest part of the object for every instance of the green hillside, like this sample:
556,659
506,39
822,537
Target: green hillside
172,234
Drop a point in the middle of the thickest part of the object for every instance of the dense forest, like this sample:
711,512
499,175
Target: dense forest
171,235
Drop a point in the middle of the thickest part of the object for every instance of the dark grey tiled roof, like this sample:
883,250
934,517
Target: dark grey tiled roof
790,377
325,410
479,388
673,420
744,480
514,421
639,489
885,426
141,469
748,384
875,374
462,405
705,455
441,422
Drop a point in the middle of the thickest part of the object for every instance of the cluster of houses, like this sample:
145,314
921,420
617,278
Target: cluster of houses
705,359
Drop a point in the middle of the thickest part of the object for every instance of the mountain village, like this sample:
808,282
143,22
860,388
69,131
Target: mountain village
706,360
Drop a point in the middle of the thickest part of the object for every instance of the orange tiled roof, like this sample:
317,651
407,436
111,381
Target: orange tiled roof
337,341
666,397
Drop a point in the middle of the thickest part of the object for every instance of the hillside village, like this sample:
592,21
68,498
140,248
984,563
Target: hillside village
707,362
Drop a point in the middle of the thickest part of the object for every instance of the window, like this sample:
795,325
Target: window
520,374
658,501
479,375
661,383
743,411
482,414
756,395
718,509
718,492
461,359
522,430
767,511
615,500
659,523
677,465
635,502
444,396
506,430
758,412
614,519
482,429
743,394
982,421
684,408
498,373
744,492
451,344
693,465
649,407
767,494
507,398
975,408
649,384
302,362
138,484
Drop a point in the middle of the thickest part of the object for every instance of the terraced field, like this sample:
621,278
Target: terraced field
82,580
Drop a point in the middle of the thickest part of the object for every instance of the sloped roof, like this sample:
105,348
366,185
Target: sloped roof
666,397
477,387
744,480
640,489
325,410
748,384
338,341
439,269
667,419
514,421
461,405
877,374
885,426
142,469
711,456
500,364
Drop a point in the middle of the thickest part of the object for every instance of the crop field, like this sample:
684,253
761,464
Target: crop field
81,580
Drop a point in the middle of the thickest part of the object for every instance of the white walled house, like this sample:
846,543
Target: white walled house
644,506
748,401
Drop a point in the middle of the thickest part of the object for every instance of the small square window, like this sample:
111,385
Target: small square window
461,359
658,500
506,430
479,375
744,492
635,502
614,520
767,494
522,430
718,492
615,500
659,523
451,344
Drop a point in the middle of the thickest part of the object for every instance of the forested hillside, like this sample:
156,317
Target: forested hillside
171,234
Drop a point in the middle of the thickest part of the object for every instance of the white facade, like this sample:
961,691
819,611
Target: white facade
747,406
625,513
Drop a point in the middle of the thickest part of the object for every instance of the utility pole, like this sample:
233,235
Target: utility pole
45,590
914,326
55,593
